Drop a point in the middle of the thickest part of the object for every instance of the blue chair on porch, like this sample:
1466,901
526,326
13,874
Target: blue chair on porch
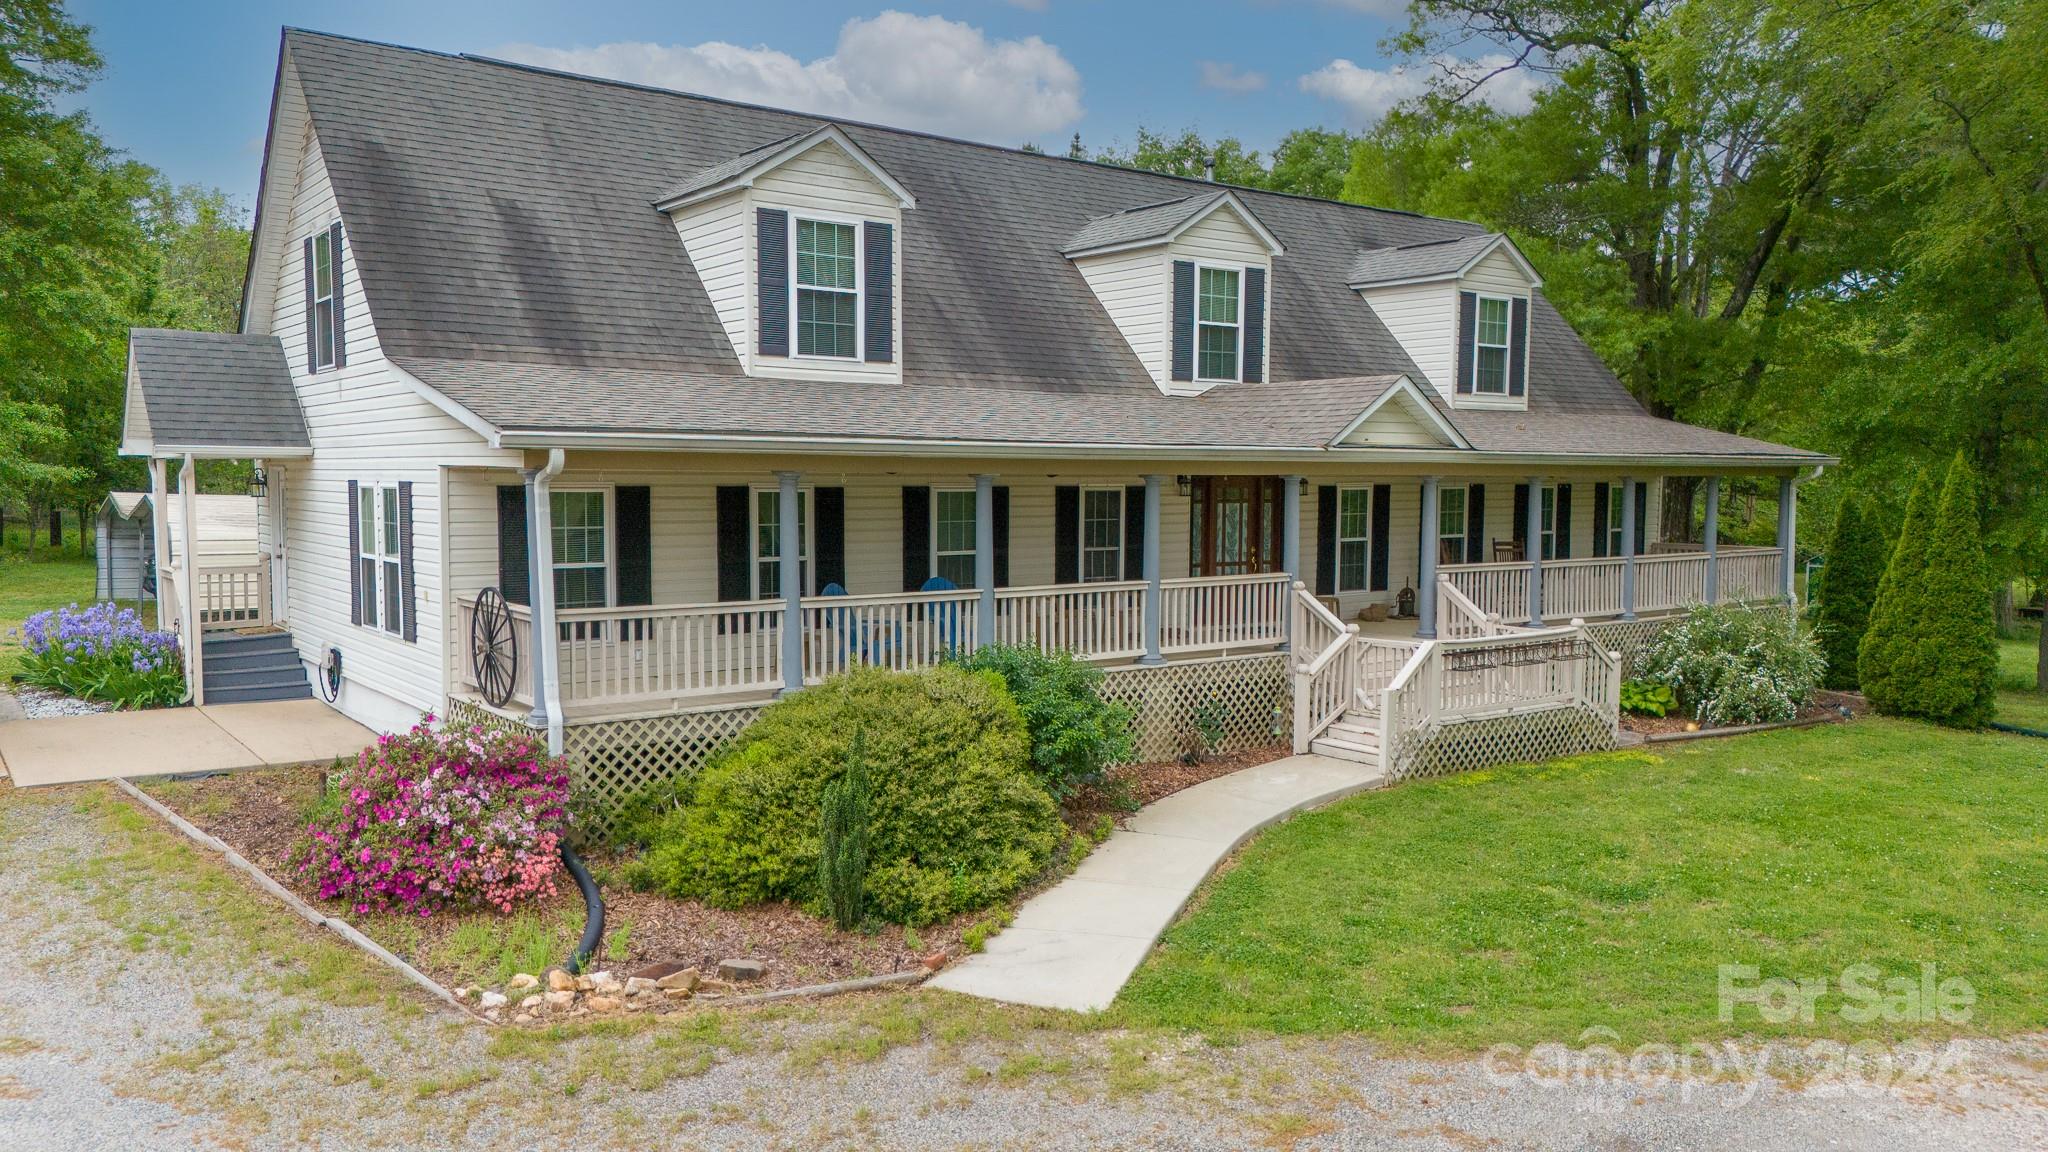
840,622
947,625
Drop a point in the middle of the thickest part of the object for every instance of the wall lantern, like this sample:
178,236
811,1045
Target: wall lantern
1185,485
258,482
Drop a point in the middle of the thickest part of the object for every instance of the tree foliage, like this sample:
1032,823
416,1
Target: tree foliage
1888,640
1848,586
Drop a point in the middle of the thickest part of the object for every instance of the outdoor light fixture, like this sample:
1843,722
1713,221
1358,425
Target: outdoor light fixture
258,482
1185,485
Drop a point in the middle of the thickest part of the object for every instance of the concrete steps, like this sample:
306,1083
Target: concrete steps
258,666
1355,737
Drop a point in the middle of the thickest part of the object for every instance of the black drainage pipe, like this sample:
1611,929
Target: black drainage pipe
2018,731
593,912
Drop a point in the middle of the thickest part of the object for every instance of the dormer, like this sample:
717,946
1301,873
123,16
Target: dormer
1460,309
797,242
1186,282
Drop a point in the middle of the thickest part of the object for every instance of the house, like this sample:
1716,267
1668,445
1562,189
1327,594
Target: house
616,411
125,535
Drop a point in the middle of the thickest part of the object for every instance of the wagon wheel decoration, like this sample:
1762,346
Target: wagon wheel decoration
493,650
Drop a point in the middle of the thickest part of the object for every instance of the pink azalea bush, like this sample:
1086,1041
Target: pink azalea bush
425,821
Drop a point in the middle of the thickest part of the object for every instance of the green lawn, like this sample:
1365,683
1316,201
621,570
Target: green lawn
1528,904
27,588
2018,702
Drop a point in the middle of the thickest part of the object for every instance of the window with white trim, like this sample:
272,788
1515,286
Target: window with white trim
1219,311
827,287
579,529
1354,539
1549,522
768,542
1102,534
378,581
953,535
1490,346
1450,521
1615,525
322,319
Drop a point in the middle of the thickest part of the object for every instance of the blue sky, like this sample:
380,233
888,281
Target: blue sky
187,85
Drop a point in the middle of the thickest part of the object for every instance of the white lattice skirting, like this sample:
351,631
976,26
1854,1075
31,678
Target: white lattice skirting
1523,738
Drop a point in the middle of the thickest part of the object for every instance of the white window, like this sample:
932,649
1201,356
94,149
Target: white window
827,287
377,578
1354,538
1219,305
1490,359
768,542
1450,520
953,535
580,532
1102,534
322,319
1615,524
1549,522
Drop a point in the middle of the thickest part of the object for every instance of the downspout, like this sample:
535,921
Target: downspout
188,583
547,692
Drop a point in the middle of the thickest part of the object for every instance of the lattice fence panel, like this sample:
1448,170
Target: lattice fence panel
1247,697
1518,739
1627,637
467,714
615,760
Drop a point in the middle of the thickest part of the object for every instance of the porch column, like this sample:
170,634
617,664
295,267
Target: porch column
791,551
1628,547
160,535
188,582
1425,596
1152,589
540,562
1710,537
1788,533
1290,543
1532,533
985,558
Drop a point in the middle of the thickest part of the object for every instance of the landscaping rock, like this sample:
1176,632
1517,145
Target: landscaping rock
522,982
681,980
583,984
660,969
522,1018
741,971
638,984
605,983
679,993
563,998
935,961
560,981
602,1003
533,1003
465,993
490,1000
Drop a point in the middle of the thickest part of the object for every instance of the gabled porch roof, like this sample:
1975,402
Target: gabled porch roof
221,395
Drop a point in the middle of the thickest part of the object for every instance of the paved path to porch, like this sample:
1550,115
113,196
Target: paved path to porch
1075,944
162,741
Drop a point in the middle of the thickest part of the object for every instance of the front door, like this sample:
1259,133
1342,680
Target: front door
1234,527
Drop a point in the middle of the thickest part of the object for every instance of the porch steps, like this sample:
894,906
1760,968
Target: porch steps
257,666
1354,737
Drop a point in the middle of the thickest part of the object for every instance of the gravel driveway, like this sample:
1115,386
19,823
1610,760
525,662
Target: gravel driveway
153,1001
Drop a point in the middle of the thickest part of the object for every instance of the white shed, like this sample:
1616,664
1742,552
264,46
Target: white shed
127,553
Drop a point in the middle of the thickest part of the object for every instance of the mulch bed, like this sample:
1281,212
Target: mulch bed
1133,786
1825,704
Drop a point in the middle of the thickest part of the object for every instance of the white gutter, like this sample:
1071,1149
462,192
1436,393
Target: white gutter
547,684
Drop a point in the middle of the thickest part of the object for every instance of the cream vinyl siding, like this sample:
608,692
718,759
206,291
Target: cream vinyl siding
1424,318
826,181
1134,288
715,236
1397,424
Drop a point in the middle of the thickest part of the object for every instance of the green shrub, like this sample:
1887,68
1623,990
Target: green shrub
843,838
1732,665
1648,698
1947,665
1848,586
955,819
1892,614
1075,733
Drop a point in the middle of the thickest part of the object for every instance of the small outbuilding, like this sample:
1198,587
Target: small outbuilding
127,548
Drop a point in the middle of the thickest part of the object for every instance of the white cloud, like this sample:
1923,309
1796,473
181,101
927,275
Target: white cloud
1386,8
1367,93
1226,78
923,72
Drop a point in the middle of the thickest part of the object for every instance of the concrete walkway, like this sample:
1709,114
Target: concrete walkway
161,741
1075,944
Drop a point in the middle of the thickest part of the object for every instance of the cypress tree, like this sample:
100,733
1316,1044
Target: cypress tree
1953,662
1848,586
843,854
1892,614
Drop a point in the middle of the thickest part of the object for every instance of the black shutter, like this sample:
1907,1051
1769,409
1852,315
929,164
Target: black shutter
1600,498
1326,540
828,537
1475,524
312,337
340,339
1183,320
1642,516
1066,534
514,581
355,553
999,512
1382,527
771,275
1254,324
408,588
880,301
633,508
1562,526
1468,332
1522,518
735,557
1134,532
917,537
1518,347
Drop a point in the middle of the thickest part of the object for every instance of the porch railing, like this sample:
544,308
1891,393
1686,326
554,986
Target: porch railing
1519,671
625,655
1093,621
1592,588
236,597
898,631
1223,612
1340,669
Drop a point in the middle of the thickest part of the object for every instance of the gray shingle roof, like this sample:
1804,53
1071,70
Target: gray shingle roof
1415,261
216,390
1145,222
719,173
535,243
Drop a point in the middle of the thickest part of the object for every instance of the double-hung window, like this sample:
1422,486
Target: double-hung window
1490,359
1615,524
1450,521
827,289
377,556
324,259
953,535
1219,308
1549,522
580,533
768,543
1354,538
1102,534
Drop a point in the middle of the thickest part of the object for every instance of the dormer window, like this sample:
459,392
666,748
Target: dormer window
1490,339
827,289
1219,305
